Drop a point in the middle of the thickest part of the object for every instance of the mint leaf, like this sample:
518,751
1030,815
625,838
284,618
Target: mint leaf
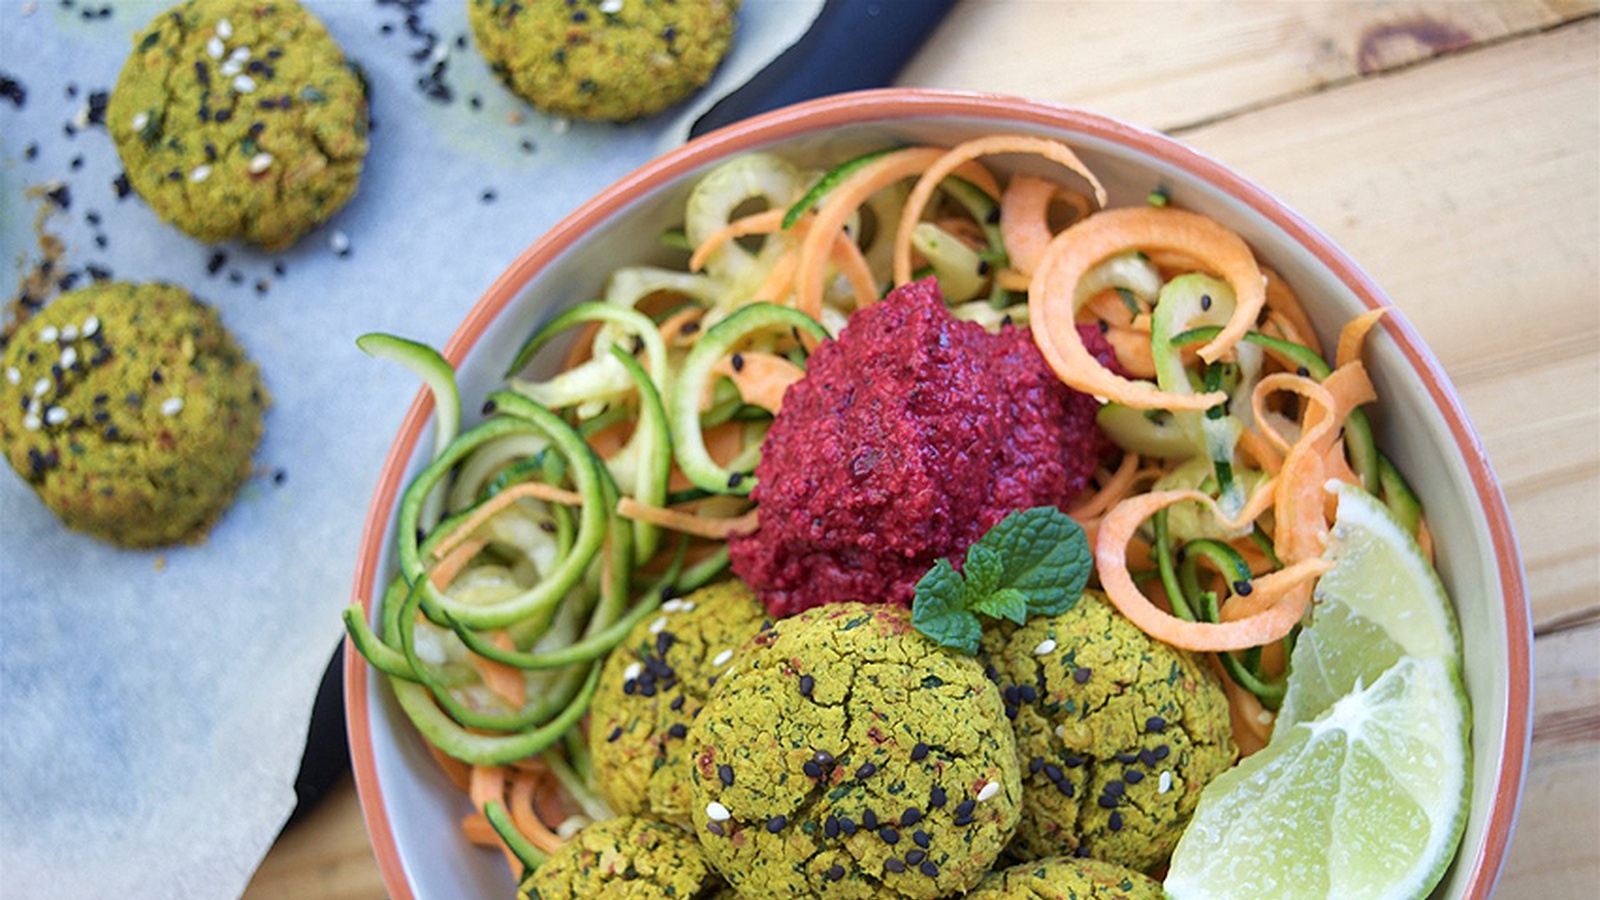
1046,557
939,611
1033,562
1006,603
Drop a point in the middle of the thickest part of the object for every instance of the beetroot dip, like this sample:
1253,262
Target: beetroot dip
909,436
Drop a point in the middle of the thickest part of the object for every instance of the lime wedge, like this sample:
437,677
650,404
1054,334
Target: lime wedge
1367,801
1379,602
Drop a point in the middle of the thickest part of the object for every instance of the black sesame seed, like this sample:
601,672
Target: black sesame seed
889,836
910,817
1126,759
1243,588
1106,801
1133,776
894,865
630,687
60,195
216,262
734,479
1115,822
929,869
715,828
1156,724
869,820
1036,764
738,362
31,152
1053,773
1011,711
965,807
823,758
1147,757
807,685
983,267
677,703
122,186
1011,694
919,751
811,769
916,856
280,476
487,196
648,690
76,164
725,774
1065,787
678,730
615,733
1080,675
1161,752
866,770
847,826
776,823
830,826
936,798
1205,301
1027,693
835,872
1115,789
921,838
1302,371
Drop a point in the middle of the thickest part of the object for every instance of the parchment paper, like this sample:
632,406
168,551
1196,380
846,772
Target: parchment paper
153,706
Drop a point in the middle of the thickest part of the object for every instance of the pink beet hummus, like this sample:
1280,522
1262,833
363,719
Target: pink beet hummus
907,439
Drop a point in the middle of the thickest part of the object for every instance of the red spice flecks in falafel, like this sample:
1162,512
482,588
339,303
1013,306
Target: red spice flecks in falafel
909,437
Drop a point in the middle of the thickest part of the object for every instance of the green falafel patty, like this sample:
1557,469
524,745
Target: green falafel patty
240,119
1065,878
848,756
628,858
132,412
653,686
603,59
1118,734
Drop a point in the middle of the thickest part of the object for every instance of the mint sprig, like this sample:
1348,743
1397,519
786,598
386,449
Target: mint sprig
1033,562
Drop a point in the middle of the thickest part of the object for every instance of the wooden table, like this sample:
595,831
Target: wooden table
1453,149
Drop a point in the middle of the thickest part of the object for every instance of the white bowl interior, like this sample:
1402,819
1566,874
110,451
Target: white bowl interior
424,809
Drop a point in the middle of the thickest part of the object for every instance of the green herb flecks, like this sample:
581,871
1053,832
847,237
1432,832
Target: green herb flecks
1034,562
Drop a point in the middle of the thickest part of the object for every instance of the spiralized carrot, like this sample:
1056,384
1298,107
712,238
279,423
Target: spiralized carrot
688,523
1054,295
490,507
1025,220
520,804
1354,335
504,680
762,378
671,327
1114,488
1284,305
766,222
965,153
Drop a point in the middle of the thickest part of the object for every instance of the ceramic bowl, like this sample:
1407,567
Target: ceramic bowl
412,811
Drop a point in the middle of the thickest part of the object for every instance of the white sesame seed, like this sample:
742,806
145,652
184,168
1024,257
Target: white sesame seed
611,7
69,332
32,423
561,126
672,606
81,117
716,812
988,791
214,48
140,120
338,242
244,84
1264,717
224,29
200,173
242,54
260,163
55,415
1048,645
40,386
688,606
171,406
634,670
14,375
659,625
440,53
721,659
571,825
231,68
91,325
49,334
69,357
1165,784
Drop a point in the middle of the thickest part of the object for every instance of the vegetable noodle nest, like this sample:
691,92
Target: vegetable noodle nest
589,511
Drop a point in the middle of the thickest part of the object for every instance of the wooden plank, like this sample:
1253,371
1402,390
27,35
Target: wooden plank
1555,852
325,855
1407,154
1172,64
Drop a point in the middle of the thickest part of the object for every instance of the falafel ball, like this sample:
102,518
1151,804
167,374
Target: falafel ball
1066,878
628,858
240,119
653,686
1118,733
848,756
602,59
132,412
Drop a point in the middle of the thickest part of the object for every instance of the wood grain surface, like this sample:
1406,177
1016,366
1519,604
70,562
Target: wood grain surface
1453,150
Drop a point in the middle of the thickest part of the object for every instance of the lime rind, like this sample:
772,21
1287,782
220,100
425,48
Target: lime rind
1367,801
1381,600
